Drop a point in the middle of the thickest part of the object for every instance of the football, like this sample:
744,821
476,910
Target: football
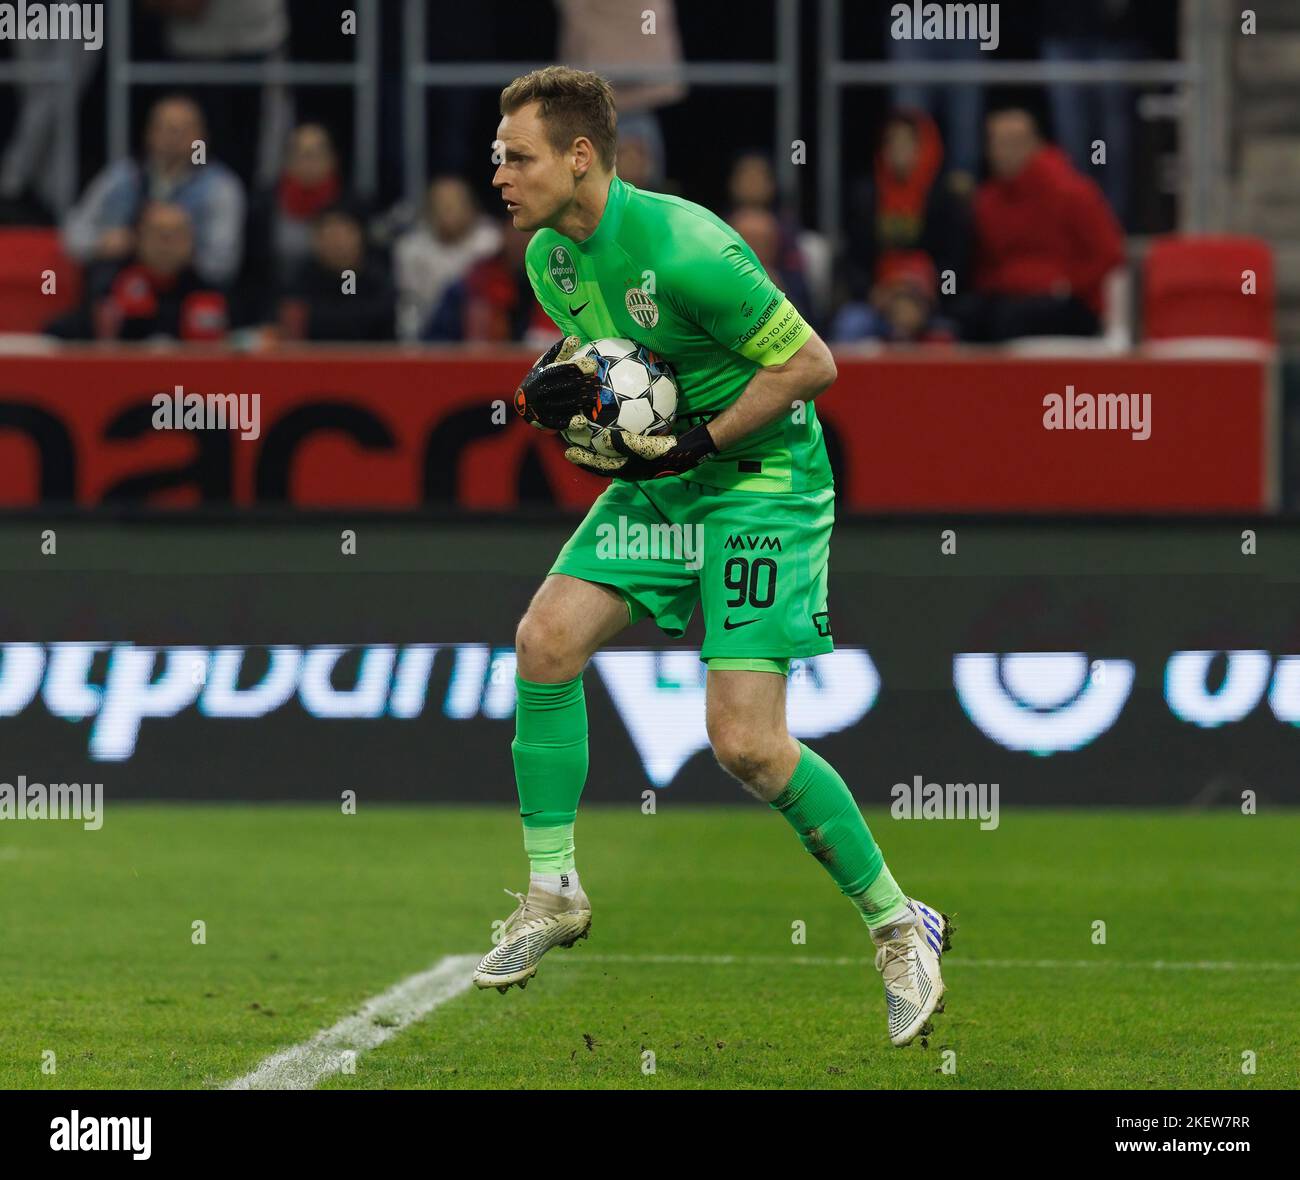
638,393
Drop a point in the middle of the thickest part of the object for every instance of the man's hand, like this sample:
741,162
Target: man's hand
559,387
646,456
115,243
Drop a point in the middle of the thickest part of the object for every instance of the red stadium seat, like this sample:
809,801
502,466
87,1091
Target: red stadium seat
25,254
1193,290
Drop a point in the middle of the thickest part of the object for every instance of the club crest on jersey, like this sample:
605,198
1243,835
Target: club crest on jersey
641,307
563,273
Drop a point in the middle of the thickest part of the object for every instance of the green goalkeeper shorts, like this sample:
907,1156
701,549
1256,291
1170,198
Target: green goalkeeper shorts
757,561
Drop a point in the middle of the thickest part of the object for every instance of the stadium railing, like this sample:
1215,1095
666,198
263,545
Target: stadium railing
781,75
1200,76
362,74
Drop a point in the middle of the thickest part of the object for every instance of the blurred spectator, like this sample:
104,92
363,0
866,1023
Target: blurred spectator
235,31
907,204
602,33
281,218
762,233
439,251
636,161
31,181
1095,30
494,302
751,184
1045,240
902,306
962,104
157,294
98,231
343,291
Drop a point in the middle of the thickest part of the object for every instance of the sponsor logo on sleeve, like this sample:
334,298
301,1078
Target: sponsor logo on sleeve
757,325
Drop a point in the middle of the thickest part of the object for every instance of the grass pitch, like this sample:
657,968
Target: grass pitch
692,955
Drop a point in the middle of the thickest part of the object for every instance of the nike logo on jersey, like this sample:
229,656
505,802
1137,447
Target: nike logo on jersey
728,625
577,310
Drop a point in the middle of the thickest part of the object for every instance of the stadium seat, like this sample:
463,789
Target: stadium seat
1193,291
25,254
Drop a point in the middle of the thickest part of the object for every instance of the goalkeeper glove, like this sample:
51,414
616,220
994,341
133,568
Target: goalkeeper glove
558,387
646,456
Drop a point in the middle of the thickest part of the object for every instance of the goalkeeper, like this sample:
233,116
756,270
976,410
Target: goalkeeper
747,463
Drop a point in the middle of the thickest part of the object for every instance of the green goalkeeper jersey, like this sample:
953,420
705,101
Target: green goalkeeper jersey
670,275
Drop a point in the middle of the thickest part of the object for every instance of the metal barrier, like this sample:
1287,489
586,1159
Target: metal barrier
362,74
1201,79
1200,76
782,75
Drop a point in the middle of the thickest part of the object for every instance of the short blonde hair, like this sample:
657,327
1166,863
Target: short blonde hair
573,103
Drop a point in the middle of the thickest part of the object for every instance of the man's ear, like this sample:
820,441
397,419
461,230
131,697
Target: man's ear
583,156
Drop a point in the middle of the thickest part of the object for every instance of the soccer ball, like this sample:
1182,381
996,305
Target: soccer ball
637,394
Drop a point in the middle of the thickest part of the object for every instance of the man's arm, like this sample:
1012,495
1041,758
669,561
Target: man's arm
1097,233
773,391
729,294
721,287
105,205
567,325
559,385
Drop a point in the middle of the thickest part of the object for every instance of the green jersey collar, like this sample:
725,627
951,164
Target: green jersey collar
610,220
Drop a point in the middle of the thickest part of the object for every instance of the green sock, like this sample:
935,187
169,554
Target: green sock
550,756
818,805
550,849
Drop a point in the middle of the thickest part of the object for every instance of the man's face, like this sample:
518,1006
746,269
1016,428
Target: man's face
752,184
173,128
451,209
535,181
1012,140
900,149
165,239
339,243
311,159
906,312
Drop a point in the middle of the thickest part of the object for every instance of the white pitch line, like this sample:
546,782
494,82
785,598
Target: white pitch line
953,960
303,1066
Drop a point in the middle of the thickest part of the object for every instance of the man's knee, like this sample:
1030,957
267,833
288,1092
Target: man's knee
741,752
542,651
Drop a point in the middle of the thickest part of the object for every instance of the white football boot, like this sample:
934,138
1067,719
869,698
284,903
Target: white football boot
542,920
908,960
